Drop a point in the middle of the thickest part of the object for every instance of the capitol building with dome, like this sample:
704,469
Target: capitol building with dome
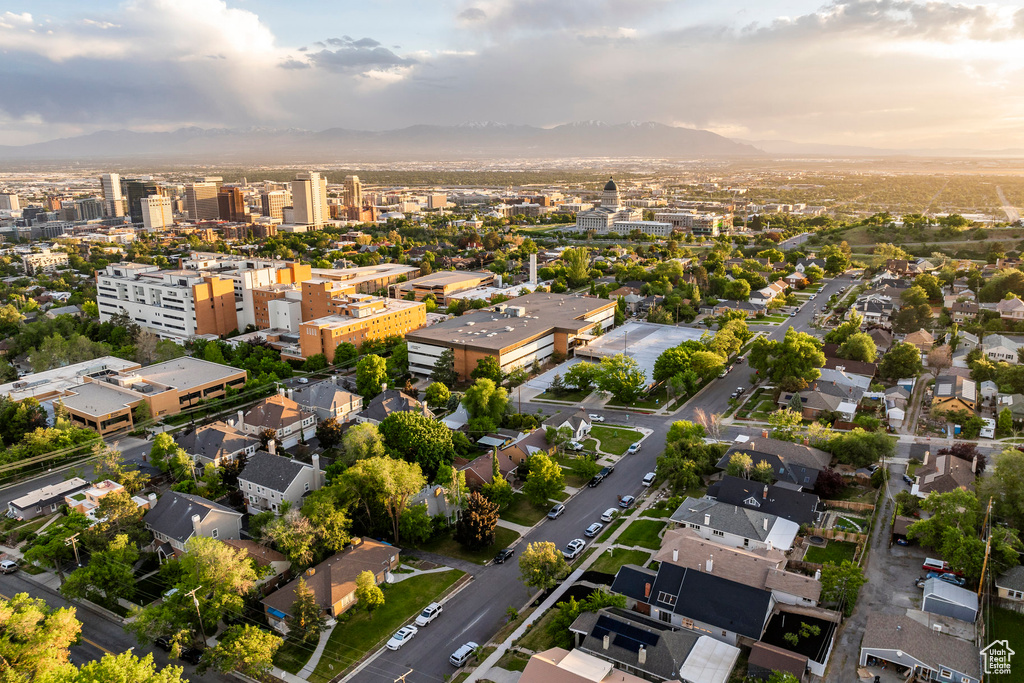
603,218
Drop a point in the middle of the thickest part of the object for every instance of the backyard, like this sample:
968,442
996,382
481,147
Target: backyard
1007,624
444,544
615,440
642,532
361,633
833,553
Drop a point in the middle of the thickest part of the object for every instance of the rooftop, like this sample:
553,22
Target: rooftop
96,399
932,648
188,373
52,382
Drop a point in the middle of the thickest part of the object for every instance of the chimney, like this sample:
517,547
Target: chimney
766,524
290,390
533,269
195,524
606,641
311,571
974,465
641,656
647,590
241,419
675,554
316,472
707,519
280,391
383,387
764,495
817,575
152,500
334,380
764,433
710,565
424,407
272,446
927,457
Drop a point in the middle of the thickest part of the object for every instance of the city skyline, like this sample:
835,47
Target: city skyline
878,73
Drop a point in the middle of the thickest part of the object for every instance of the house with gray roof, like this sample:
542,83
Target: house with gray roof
217,443
289,421
1010,584
791,462
391,401
946,600
270,480
932,655
578,422
1000,349
177,517
735,526
328,400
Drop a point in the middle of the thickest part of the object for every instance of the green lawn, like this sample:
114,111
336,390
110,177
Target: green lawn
911,469
615,440
609,563
522,511
562,496
607,533
446,545
658,512
1007,624
293,655
835,552
363,633
652,401
513,661
568,397
537,638
642,532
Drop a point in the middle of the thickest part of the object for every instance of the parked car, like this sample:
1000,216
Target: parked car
907,478
792,314
573,548
933,565
503,555
649,478
723,373
303,380
596,418
609,515
740,360
556,511
824,309
462,655
575,446
402,636
595,481
592,530
8,567
948,578
164,643
606,471
872,468
626,501
429,613
740,390
920,582
634,448
192,655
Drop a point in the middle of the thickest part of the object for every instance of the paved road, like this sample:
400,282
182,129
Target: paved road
99,633
794,241
1009,209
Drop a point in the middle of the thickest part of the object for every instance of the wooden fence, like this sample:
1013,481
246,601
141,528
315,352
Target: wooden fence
839,535
850,505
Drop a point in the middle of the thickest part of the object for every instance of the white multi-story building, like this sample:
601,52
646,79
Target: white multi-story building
9,202
309,198
113,202
611,210
156,212
653,228
704,224
44,262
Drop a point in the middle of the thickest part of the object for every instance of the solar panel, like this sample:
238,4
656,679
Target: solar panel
627,636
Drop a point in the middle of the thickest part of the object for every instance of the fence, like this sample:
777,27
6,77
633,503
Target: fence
850,505
837,535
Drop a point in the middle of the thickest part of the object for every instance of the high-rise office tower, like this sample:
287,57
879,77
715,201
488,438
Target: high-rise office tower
156,212
9,202
353,191
273,202
309,198
231,204
112,199
201,202
135,191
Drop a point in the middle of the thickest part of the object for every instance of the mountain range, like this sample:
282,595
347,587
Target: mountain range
421,142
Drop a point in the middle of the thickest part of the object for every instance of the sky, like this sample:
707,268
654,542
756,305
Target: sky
879,73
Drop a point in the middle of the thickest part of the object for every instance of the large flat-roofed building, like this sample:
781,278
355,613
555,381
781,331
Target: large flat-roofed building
653,228
105,402
443,284
45,261
704,224
49,384
368,279
356,318
517,332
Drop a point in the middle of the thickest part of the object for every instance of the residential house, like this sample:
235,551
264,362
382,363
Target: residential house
328,400
943,473
795,279
1010,584
290,421
794,463
772,499
882,337
698,601
766,659
557,665
1011,309
766,295
265,557
824,397
1015,402
735,526
87,502
438,504
953,392
1000,349
177,517
988,390
665,652
960,285
578,422
922,339
45,500
748,308
333,581
874,310
391,401
946,600
930,654
217,443
757,567
480,470
269,480
803,264
903,267
963,312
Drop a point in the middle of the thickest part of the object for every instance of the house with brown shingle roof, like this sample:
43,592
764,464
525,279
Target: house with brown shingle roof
333,581
264,557
922,339
290,421
943,473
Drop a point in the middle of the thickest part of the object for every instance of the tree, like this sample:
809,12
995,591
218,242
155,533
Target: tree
362,441
245,648
329,521
398,361
738,290
914,296
784,424
345,355
740,465
544,481
371,373
542,565
109,572
163,447
763,473
829,483
475,529
840,584
1004,426
117,668
34,639
415,524
940,358
419,439
797,356
444,369
836,261
1005,486
307,620
486,399
566,612
580,376
902,360
437,395
487,368
782,677
329,432
368,593
387,482
841,333
622,377
577,265
860,448
860,347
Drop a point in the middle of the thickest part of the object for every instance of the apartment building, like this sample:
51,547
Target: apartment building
45,261
156,212
356,318
272,203
443,284
702,224
201,201
309,199
517,332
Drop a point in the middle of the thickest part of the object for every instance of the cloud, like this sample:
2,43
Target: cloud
357,57
293,64
471,14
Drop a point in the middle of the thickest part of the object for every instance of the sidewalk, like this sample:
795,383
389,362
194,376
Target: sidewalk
314,659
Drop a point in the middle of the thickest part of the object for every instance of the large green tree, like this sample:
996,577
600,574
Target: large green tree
542,565
544,481
798,357
109,573
622,377
488,368
246,649
419,439
387,483
368,593
1005,486
486,399
444,369
901,360
362,441
577,265
34,639
859,347
116,668
840,584
475,529
371,373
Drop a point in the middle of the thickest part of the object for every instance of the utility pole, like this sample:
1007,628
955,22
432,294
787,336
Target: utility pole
71,541
988,547
402,677
195,601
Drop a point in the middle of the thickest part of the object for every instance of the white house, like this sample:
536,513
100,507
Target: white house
290,421
578,422
735,526
270,480
998,348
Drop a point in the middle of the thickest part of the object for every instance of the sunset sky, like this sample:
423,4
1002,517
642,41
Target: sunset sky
884,73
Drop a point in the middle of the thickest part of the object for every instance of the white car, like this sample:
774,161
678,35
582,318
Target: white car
634,448
462,655
609,515
402,636
596,418
429,614
649,478
574,548
303,380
